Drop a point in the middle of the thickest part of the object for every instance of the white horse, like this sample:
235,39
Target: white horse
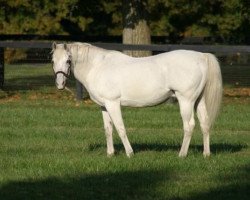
114,80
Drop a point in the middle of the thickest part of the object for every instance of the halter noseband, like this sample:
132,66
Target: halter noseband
61,72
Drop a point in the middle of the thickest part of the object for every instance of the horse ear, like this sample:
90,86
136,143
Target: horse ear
66,47
53,45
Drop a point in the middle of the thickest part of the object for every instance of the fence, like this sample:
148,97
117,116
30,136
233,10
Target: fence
235,60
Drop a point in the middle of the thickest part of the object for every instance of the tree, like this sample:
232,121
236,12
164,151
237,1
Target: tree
135,25
53,17
229,19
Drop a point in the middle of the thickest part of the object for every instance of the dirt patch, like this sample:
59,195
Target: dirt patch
10,98
237,92
33,96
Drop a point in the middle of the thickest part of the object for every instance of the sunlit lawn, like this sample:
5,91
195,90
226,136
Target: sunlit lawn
52,147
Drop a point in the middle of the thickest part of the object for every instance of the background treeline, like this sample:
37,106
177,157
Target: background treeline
228,19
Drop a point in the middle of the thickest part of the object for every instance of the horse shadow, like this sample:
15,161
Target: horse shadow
216,148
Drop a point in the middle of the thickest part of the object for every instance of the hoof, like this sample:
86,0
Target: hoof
110,155
206,154
182,155
131,154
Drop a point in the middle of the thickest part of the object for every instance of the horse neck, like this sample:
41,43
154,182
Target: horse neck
84,60
95,54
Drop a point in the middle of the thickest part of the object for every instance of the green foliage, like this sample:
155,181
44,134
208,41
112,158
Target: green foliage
229,19
39,17
201,18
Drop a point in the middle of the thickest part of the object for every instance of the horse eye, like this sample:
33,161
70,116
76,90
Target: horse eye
69,62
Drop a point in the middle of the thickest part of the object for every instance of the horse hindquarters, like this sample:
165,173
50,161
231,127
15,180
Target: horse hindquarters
207,106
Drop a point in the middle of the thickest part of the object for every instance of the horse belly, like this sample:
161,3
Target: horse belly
145,102
139,95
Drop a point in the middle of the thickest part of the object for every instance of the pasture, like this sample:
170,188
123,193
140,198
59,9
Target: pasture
52,147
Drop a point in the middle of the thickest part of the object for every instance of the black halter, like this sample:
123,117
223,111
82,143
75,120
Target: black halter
68,72
61,72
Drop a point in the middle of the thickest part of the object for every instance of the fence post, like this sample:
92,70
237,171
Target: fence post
79,90
1,67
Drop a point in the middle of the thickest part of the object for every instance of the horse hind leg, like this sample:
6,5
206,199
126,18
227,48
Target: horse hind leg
203,118
114,110
187,114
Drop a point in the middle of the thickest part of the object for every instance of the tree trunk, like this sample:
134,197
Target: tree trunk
135,26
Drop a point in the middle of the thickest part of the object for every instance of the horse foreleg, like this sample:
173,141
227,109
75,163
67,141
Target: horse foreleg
108,127
187,113
203,118
114,110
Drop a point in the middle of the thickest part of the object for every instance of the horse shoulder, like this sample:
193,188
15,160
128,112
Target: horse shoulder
104,83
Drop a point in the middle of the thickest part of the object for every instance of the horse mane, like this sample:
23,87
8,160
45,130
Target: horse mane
81,50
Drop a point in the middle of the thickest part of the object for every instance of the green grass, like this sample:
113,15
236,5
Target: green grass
52,147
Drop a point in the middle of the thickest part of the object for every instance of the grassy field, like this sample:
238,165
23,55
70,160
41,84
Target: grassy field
52,147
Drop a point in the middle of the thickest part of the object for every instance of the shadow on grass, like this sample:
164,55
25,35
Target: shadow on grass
29,83
139,147
235,187
25,84
122,185
141,184
33,82
231,192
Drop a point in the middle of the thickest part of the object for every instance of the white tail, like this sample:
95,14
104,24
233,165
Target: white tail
213,89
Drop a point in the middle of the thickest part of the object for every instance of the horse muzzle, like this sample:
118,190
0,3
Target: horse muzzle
60,87
60,82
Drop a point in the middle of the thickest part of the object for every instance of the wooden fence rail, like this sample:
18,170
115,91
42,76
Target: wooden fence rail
154,47
221,49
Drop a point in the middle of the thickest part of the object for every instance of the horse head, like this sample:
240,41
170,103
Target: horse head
61,59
